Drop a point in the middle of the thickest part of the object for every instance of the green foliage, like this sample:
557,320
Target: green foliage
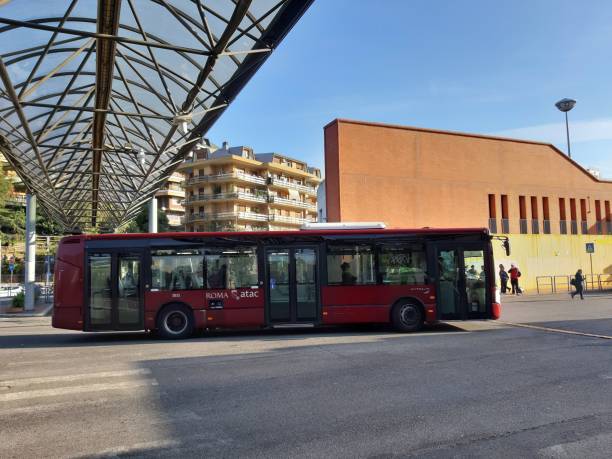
140,224
6,187
47,227
19,300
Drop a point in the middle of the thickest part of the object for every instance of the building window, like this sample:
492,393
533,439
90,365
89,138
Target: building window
176,269
505,219
599,222
562,217
608,218
492,214
350,265
584,227
522,215
535,222
403,264
546,215
573,216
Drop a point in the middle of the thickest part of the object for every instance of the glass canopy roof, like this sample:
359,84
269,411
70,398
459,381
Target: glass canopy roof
101,100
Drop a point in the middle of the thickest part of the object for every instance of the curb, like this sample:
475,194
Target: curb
14,315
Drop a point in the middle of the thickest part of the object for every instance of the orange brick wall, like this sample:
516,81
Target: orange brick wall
410,177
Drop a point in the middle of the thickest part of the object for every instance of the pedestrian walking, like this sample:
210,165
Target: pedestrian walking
503,277
578,283
515,273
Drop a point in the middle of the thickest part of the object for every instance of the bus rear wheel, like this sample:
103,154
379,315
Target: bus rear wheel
407,316
175,321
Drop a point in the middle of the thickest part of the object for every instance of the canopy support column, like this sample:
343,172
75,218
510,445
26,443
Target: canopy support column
30,252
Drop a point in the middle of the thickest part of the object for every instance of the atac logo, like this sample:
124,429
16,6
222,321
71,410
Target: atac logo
234,294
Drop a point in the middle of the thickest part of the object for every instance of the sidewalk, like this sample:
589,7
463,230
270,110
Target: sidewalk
40,309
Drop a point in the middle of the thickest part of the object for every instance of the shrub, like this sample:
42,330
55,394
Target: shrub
19,300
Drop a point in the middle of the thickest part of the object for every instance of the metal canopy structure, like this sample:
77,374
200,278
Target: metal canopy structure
99,102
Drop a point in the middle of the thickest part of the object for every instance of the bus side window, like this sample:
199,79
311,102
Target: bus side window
231,268
350,264
403,264
176,269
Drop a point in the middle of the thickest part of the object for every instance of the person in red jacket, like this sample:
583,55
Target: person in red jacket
514,280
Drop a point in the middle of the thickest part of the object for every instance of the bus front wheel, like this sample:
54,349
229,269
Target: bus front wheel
175,321
407,316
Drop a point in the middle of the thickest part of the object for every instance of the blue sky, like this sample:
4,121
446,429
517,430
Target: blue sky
486,67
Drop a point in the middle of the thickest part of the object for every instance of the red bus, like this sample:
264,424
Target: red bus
179,283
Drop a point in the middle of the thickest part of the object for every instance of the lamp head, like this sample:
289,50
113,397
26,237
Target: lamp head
565,105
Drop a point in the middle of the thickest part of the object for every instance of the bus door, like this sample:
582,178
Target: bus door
461,274
114,294
292,291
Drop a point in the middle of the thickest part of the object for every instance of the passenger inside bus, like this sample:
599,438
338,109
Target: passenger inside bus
347,277
217,275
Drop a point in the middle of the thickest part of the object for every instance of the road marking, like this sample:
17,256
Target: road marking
75,390
557,330
66,378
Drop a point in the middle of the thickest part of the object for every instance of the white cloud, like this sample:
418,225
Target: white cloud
580,131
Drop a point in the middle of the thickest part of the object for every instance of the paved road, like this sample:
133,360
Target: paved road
487,390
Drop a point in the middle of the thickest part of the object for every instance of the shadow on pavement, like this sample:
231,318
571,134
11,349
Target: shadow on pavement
76,339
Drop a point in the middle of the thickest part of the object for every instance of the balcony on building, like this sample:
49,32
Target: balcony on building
225,177
292,203
236,215
289,220
222,197
289,184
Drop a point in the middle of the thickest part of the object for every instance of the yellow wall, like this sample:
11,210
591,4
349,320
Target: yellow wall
553,254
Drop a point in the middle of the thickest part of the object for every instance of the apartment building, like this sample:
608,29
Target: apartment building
170,199
234,189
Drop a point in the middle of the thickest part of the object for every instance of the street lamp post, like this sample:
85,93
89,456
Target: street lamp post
565,105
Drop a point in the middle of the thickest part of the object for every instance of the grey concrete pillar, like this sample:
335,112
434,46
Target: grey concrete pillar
153,215
30,251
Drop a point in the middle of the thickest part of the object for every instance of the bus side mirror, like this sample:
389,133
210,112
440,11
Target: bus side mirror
506,245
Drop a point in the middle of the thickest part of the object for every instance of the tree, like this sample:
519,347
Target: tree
6,187
140,224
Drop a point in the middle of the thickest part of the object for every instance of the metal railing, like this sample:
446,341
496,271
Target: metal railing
609,225
563,226
230,175
599,227
292,220
546,226
493,225
296,186
563,283
535,227
292,202
523,226
224,196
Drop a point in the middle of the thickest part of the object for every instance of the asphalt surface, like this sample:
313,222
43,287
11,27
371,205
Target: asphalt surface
478,389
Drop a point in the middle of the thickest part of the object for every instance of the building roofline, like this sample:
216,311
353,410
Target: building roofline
467,134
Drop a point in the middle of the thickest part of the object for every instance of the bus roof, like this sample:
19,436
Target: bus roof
336,232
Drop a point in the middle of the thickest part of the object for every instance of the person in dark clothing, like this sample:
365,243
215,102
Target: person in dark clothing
503,277
578,284
347,276
514,280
